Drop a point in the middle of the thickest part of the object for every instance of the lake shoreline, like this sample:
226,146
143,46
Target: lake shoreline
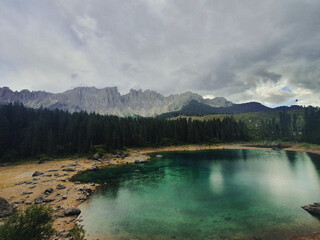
16,180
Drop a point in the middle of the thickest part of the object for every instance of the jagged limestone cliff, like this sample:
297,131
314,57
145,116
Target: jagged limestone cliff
108,100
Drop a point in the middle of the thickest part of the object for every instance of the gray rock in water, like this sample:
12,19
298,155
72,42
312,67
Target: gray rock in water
37,173
5,208
72,211
312,208
159,156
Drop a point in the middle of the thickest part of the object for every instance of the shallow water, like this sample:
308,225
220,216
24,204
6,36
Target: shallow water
219,194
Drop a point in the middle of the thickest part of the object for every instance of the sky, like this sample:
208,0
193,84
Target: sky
248,50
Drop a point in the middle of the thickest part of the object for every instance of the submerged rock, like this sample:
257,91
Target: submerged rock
159,156
312,208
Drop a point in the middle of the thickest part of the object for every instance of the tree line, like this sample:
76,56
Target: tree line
311,131
26,132
286,127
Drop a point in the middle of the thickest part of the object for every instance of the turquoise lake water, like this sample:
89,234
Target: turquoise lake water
218,194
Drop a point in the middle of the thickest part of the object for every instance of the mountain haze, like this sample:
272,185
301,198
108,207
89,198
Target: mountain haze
108,101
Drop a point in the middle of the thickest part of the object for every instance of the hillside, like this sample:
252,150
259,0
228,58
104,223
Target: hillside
195,108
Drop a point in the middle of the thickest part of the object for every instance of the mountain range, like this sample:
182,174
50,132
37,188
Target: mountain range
109,101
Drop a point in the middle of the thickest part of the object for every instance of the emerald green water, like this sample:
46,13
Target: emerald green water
220,194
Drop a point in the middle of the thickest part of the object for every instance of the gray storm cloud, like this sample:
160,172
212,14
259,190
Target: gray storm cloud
242,50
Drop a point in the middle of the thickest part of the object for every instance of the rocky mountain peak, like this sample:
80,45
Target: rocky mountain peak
108,100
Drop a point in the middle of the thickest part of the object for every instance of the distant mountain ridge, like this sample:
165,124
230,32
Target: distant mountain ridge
195,108
109,101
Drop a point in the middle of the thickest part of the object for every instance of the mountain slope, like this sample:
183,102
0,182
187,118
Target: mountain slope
195,108
108,101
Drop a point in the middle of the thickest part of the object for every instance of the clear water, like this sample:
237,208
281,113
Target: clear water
220,194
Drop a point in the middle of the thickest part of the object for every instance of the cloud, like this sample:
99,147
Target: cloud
242,50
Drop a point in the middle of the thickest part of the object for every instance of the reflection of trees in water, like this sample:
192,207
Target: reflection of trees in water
292,156
315,158
244,153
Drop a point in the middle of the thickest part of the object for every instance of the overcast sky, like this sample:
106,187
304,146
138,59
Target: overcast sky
266,51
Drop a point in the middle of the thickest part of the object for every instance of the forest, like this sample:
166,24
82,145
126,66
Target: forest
27,132
286,128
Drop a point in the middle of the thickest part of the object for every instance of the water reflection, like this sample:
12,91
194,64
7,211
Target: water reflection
216,178
207,194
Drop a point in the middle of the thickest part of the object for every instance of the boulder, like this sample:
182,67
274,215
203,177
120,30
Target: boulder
26,193
37,173
39,199
93,168
48,191
4,164
276,145
72,211
60,186
159,156
42,160
69,170
312,208
42,199
140,160
96,156
5,208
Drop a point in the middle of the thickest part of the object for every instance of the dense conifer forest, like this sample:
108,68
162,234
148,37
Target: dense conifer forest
27,132
286,128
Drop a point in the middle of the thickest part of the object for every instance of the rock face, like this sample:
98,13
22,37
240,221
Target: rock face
5,208
312,208
108,101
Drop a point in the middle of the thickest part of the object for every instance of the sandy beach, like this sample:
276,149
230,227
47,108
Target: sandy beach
18,186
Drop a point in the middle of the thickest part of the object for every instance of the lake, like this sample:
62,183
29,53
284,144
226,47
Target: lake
213,194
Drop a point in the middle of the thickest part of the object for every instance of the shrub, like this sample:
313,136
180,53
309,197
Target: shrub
35,223
77,232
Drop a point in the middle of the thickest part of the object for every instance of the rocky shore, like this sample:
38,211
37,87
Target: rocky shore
48,182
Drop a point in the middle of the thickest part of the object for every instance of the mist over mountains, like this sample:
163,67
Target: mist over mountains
108,101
